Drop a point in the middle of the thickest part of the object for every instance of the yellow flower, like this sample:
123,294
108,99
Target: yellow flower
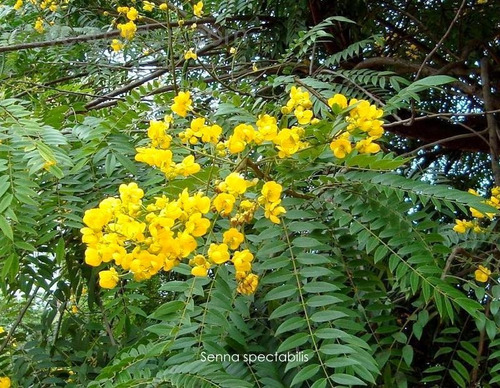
304,116
197,225
233,50
235,144
190,54
200,266
148,6
2,330
187,244
218,253
233,238
163,6
288,142
267,128
273,211
242,261
5,382
462,226
122,9
482,274
341,147
482,1
198,8
39,26
116,45
248,285
182,104
96,218
224,203
18,5
476,213
234,184
108,279
254,67
271,191
127,30
366,146
92,257
132,14
157,133
338,99
188,166
74,309
130,193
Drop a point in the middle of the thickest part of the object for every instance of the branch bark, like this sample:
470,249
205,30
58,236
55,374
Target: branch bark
490,119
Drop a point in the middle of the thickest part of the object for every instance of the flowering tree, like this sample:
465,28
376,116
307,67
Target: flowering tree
178,208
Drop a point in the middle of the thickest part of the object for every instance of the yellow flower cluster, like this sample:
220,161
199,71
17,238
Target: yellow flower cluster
144,239
364,127
158,155
462,226
198,131
300,104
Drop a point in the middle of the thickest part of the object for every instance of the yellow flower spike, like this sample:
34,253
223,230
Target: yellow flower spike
341,147
116,45
218,253
198,9
482,274
248,285
132,14
190,54
108,279
233,238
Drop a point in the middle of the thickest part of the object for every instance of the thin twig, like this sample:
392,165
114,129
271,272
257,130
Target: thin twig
18,320
436,47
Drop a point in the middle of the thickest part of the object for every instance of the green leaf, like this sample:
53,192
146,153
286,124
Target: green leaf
167,309
294,341
305,373
344,379
6,228
407,353
281,292
326,316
